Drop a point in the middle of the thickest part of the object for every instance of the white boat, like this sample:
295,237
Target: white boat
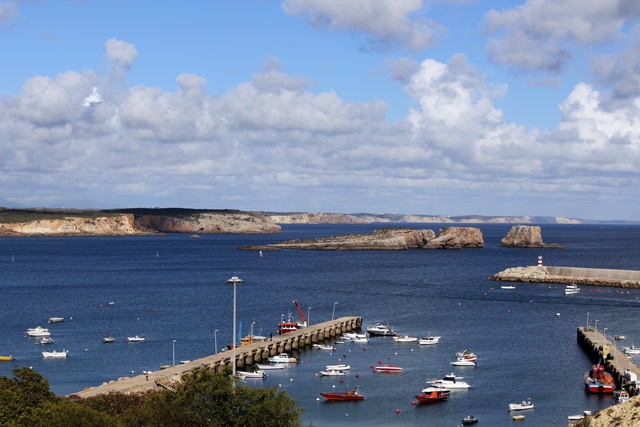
464,362
108,339
136,339
322,347
429,340
46,340
282,358
112,303
332,373
56,319
467,355
354,336
338,367
62,353
431,389
254,374
633,350
380,330
449,381
508,287
360,340
38,332
270,367
571,289
619,337
406,338
525,404
622,397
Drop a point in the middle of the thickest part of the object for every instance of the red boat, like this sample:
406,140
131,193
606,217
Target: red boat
387,368
291,325
348,395
598,380
435,396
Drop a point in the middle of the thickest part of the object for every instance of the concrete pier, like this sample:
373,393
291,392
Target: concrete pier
592,341
245,356
570,275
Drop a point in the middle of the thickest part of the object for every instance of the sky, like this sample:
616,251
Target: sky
455,107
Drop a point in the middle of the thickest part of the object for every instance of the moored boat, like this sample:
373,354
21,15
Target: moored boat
282,358
338,367
254,374
508,287
406,338
290,324
463,362
270,367
623,396
571,289
380,330
633,350
136,339
348,395
322,347
429,340
525,404
449,381
619,337
38,332
466,354
46,340
597,380
108,339
360,340
63,353
434,396
6,358
387,368
431,389
332,373
354,336
469,419
56,319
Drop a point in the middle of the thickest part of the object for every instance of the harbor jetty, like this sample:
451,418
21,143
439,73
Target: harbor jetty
246,356
597,346
570,275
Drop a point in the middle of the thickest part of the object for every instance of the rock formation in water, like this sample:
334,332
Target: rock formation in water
394,238
526,236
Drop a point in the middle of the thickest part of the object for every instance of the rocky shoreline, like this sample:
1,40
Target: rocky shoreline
535,274
526,236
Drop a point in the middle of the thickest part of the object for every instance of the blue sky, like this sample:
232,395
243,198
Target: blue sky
408,106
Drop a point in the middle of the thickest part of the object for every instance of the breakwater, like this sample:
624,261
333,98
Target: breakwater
594,342
570,275
246,356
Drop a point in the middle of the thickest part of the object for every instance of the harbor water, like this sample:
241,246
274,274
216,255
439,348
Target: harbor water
172,288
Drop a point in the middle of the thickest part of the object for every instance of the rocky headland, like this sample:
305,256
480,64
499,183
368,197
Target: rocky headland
625,414
131,222
526,236
394,238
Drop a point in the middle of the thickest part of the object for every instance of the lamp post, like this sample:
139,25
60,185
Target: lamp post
594,330
308,317
215,338
587,323
234,281
334,310
251,334
174,352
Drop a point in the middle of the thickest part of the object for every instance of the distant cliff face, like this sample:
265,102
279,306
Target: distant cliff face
236,223
317,218
121,225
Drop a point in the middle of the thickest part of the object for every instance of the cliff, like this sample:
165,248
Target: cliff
237,223
395,238
316,218
526,236
121,225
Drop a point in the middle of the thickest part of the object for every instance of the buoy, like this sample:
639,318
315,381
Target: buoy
126,340
132,372
279,385
346,415
411,349
155,309
341,380
86,349
57,309
349,351
458,333
371,366
364,348
413,402
357,375
396,355
390,357
317,399
101,305
397,411
340,359
379,361
334,386
316,375
334,349
508,311
374,371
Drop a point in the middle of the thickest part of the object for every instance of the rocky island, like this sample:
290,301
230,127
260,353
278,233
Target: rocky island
393,238
526,236
131,222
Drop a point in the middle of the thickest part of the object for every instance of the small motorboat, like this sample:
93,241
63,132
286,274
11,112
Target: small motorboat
56,319
469,419
622,397
406,338
434,396
466,354
508,287
108,339
525,404
352,336
254,374
633,350
46,340
323,347
449,381
464,362
571,289
429,340
136,339
338,367
111,303
332,373
380,330
56,354
348,395
38,332
576,417
270,367
431,389
6,358
282,358
518,417
360,340
338,342
619,337
387,368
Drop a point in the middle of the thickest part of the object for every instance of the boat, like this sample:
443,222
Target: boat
387,368
406,338
464,362
434,396
270,367
436,388
136,339
56,319
282,358
290,324
619,337
508,287
633,350
576,417
260,253
449,381
332,373
571,289
338,367
380,330
54,353
429,340
254,374
6,358
354,336
360,340
323,347
518,417
38,332
108,339
525,404
466,354
597,380
348,395
469,419
46,340
623,396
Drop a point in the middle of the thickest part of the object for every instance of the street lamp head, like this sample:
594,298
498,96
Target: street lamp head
235,280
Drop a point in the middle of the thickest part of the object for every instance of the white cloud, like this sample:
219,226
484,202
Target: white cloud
385,22
9,13
121,53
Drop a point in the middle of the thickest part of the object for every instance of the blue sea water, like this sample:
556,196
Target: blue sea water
524,349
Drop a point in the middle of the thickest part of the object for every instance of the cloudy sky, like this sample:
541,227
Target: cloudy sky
408,106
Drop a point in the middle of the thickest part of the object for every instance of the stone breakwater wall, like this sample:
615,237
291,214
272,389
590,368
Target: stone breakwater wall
570,275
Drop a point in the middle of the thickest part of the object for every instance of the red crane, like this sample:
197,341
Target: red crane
304,321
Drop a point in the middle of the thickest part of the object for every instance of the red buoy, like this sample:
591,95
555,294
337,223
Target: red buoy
371,366
364,348
341,380
397,411
389,357
413,402
357,375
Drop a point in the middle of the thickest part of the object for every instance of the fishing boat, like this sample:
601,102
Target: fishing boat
136,339
619,337
406,338
429,340
387,368
469,419
54,353
525,404
348,395
571,289
270,367
466,354
46,340
431,389
254,374
290,324
38,332
56,319
6,358
323,347
622,397
332,373
380,330
464,362
597,380
282,358
434,396
338,367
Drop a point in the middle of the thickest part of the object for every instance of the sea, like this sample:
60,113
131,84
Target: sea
172,290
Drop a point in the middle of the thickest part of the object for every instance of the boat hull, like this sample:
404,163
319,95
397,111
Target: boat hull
341,396
600,388
440,397
387,368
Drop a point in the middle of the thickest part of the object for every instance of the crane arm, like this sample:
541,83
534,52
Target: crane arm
301,313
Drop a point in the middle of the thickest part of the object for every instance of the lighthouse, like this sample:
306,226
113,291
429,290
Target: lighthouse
539,260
